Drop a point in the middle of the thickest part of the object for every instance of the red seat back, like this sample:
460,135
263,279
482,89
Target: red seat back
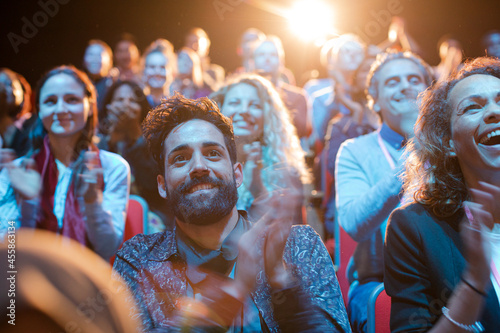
379,311
344,249
136,221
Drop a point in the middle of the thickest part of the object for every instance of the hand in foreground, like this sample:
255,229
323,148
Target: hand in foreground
24,178
481,213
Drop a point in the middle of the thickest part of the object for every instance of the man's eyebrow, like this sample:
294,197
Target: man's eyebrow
211,144
178,148
204,145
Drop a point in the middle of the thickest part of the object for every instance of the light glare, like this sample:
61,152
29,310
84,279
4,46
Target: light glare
311,20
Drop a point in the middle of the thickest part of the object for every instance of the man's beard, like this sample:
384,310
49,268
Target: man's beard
203,209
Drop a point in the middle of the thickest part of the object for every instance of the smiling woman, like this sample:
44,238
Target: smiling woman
438,280
65,184
266,140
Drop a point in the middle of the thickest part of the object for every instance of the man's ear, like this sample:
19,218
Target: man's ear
238,173
451,149
376,107
162,189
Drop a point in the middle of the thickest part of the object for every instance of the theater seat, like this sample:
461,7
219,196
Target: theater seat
379,311
137,219
344,249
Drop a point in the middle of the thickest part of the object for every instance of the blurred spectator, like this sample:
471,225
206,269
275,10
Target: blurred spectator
197,40
98,62
245,49
189,80
347,53
360,121
450,53
127,58
158,67
269,61
491,43
15,112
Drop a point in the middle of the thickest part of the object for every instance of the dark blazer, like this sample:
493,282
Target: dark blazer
424,259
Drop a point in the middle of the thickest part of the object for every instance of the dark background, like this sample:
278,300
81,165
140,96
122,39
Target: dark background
63,38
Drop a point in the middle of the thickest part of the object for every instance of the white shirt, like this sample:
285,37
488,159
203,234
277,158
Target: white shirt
105,221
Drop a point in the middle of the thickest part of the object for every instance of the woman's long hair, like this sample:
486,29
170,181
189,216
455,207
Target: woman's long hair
85,141
280,143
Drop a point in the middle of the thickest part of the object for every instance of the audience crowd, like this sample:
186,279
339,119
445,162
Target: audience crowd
398,155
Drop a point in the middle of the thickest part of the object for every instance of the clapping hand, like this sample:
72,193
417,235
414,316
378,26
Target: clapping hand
253,168
482,212
89,186
24,178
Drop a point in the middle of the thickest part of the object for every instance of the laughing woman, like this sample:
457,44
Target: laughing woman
65,184
439,280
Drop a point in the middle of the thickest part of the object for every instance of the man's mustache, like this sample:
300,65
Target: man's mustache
215,182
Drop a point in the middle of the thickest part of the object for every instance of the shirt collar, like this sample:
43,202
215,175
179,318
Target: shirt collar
392,138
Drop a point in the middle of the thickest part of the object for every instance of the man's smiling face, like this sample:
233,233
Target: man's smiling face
400,82
200,180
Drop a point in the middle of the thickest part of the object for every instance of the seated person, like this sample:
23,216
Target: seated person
346,56
197,40
491,43
360,121
248,38
127,58
120,132
15,112
266,141
97,63
193,144
158,65
188,79
269,60
439,281
450,52
65,184
367,181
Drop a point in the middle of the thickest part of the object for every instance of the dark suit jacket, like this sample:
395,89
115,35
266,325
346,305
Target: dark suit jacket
424,259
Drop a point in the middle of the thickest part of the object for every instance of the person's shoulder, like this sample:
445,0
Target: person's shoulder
419,216
362,141
145,246
411,217
303,234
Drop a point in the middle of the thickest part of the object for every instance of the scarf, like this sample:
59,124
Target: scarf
73,222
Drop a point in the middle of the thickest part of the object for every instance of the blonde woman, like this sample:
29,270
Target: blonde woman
266,140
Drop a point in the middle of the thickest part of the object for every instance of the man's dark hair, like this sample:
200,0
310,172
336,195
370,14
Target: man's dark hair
177,110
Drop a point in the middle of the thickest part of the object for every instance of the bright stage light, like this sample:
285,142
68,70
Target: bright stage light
311,19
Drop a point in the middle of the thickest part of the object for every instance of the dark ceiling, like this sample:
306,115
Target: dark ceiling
61,36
